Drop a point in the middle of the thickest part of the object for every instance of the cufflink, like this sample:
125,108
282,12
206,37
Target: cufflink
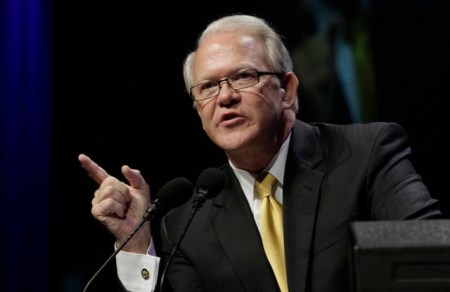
145,274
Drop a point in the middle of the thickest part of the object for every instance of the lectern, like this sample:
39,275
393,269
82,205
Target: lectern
400,256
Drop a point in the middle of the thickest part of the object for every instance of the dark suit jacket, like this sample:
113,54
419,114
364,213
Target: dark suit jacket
334,175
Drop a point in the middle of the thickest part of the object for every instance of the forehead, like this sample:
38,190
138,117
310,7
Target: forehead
224,52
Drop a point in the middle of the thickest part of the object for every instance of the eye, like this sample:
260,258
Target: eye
244,75
207,86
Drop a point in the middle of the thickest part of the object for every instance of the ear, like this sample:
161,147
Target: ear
290,85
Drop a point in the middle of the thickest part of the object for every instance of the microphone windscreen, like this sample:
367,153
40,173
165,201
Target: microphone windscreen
212,180
173,194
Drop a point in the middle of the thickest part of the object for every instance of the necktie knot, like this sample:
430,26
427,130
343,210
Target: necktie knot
265,184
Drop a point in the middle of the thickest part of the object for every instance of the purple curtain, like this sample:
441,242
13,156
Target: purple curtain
25,117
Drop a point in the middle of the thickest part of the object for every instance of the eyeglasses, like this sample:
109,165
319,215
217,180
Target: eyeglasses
240,80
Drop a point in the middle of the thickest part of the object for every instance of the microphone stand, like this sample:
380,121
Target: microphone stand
198,202
146,216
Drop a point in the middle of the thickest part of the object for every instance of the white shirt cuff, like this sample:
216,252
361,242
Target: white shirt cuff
137,272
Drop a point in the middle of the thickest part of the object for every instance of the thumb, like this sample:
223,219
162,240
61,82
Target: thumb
135,178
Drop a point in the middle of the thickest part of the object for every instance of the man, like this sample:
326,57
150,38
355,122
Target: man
241,80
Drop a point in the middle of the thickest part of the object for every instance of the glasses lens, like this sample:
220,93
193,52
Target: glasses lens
237,81
205,90
244,79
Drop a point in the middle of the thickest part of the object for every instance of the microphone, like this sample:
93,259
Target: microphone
171,195
209,184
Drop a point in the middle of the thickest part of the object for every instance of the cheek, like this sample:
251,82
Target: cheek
271,100
206,104
206,114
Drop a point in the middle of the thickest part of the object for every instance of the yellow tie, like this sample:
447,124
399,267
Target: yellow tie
271,219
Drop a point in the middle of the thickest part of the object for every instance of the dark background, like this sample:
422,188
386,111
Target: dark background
119,98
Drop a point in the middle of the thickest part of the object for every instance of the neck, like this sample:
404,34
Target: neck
257,156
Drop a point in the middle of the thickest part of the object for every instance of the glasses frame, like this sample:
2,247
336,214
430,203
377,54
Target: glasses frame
227,79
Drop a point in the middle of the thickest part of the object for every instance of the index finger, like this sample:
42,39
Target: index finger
95,171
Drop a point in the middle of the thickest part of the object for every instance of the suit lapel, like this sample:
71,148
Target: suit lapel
300,205
300,202
241,241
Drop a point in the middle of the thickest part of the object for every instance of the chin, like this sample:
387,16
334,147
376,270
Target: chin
233,142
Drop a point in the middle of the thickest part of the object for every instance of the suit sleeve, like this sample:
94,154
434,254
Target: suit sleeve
396,190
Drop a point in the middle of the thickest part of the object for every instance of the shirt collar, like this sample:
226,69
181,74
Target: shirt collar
275,167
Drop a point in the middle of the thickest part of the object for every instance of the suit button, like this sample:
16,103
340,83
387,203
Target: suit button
145,274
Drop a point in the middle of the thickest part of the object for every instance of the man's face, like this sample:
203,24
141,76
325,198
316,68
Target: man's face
238,119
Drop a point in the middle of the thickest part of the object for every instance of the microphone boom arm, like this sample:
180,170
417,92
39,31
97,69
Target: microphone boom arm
130,235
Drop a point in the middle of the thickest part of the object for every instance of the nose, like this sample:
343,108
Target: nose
226,81
227,95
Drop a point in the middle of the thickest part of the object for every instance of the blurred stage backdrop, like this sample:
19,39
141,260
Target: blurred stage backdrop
104,78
